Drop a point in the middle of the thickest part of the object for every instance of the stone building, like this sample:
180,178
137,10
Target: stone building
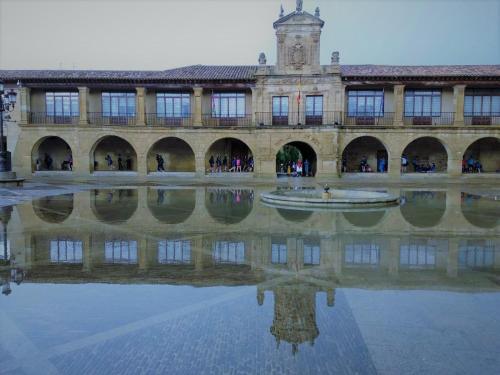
335,116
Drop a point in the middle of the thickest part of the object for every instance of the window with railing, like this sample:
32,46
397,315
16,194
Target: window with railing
66,251
174,252
362,254
62,104
228,105
482,105
422,103
278,253
365,103
314,109
311,255
118,104
173,105
121,252
280,110
421,255
228,252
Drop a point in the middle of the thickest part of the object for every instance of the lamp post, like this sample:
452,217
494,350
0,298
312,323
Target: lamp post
7,104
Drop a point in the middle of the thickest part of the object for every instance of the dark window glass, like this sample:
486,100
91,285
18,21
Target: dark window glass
118,104
62,104
280,106
173,105
228,105
314,105
482,105
422,103
365,103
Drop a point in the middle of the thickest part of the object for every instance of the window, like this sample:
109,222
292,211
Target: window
118,104
280,106
4,248
122,252
314,105
173,105
422,103
482,105
64,104
66,251
174,252
362,254
365,103
278,253
417,255
472,255
228,105
311,255
228,252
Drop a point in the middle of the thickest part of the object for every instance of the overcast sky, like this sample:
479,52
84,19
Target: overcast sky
161,34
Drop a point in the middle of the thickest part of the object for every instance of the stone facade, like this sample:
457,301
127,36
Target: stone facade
187,142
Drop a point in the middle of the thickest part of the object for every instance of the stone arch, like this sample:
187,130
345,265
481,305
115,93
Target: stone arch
304,152
486,150
178,155
171,206
365,147
113,206
54,209
423,209
230,147
51,153
364,219
117,148
423,152
294,215
229,206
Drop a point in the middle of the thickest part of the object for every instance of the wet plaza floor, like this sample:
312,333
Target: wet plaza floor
209,280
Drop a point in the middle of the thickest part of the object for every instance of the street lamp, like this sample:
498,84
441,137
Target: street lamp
7,104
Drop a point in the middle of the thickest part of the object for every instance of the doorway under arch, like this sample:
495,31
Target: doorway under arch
113,153
229,151
426,154
52,154
365,154
299,153
174,154
486,151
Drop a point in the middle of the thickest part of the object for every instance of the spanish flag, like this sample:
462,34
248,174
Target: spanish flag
299,96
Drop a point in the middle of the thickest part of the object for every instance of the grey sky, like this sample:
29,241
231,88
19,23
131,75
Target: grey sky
161,34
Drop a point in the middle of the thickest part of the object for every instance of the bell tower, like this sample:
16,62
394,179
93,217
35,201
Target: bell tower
298,42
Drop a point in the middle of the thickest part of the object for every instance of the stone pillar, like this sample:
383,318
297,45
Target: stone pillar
393,252
453,251
399,104
143,254
197,248
87,253
458,102
24,105
200,165
454,166
254,106
83,94
197,109
140,105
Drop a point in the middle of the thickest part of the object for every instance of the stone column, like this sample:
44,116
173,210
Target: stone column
254,105
399,103
394,166
453,251
143,254
197,110
197,248
83,94
454,166
458,102
87,253
140,106
24,105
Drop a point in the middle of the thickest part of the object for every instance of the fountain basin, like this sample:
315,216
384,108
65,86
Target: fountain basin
337,198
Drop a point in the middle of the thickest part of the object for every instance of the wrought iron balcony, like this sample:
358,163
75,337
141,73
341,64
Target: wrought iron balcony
227,122
44,118
440,118
369,118
270,119
482,119
154,119
99,118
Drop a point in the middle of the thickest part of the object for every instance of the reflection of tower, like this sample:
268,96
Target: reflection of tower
295,309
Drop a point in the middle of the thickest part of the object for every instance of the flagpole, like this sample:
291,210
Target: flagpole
299,98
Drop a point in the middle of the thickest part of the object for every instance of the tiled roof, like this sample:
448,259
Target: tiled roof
193,72
420,70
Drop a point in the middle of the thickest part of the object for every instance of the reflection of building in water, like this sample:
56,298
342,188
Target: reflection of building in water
120,252
174,252
229,206
228,252
418,254
358,253
66,251
295,308
476,254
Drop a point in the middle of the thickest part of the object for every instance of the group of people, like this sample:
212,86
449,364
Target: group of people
110,163
296,169
48,163
419,166
471,165
237,164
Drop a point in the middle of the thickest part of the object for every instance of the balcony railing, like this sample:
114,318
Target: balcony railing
369,118
153,119
442,118
482,119
45,118
98,118
227,122
298,119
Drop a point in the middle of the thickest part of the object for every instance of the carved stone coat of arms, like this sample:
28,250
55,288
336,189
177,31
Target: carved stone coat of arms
297,56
